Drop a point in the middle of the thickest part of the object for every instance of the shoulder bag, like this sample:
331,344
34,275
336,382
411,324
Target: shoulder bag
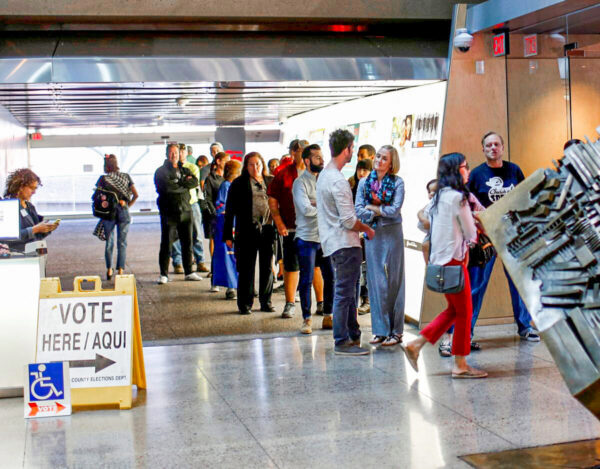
443,278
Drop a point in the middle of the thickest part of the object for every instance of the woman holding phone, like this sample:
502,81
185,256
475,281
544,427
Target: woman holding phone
22,184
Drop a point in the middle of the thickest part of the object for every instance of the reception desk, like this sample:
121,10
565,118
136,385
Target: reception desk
19,298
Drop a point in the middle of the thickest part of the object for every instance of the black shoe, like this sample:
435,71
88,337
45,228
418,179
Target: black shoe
320,308
475,346
267,308
245,311
350,350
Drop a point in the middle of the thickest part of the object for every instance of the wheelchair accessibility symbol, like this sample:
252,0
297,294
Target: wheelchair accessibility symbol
46,381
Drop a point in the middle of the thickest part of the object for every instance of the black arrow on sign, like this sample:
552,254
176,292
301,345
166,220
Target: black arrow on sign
99,363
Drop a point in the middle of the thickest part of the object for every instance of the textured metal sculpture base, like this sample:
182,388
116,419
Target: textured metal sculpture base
547,233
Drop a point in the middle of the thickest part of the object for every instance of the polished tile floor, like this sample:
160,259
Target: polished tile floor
289,402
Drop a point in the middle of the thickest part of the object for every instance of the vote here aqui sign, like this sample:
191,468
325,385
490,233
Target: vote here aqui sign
92,333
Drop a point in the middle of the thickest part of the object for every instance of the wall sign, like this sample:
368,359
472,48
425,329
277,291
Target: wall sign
499,44
530,45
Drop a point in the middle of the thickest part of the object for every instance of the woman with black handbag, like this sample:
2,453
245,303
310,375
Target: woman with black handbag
452,231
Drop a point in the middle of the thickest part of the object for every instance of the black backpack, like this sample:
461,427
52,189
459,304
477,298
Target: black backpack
104,204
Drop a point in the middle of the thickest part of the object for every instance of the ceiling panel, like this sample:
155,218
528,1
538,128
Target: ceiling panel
44,106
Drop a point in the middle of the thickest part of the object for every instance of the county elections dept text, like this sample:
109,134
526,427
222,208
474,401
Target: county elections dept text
79,329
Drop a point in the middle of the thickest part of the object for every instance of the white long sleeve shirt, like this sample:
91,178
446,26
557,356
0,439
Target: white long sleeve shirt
335,211
304,191
452,227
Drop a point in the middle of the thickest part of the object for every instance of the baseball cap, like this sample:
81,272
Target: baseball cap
297,142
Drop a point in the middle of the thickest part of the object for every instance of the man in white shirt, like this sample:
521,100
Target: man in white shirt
339,233
308,247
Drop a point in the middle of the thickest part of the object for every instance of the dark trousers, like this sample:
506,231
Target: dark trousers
247,245
169,230
346,263
310,255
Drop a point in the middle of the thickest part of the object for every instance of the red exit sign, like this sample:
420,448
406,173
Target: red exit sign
499,44
36,136
530,45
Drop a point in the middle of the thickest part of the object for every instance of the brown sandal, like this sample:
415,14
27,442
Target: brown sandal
392,340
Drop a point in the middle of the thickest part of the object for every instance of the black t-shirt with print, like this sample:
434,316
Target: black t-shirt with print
491,184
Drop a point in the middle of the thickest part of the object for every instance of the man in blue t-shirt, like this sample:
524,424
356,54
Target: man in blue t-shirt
489,182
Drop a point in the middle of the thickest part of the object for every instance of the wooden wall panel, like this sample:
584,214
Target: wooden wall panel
526,101
537,112
475,104
585,97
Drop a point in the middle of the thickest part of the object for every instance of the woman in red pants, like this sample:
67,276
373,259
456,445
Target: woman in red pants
452,230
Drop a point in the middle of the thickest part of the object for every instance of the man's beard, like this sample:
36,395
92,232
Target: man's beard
315,168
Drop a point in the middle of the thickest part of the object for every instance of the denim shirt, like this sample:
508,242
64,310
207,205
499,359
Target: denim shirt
390,214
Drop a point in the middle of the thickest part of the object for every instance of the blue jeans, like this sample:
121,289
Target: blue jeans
310,255
480,276
121,222
198,246
346,264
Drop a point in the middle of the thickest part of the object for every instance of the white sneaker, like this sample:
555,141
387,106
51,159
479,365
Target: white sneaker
163,279
214,289
193,277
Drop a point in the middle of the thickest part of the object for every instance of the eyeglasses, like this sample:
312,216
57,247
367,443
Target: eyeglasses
466,166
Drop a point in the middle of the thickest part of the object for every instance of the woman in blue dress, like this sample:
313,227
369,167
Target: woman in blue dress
224,270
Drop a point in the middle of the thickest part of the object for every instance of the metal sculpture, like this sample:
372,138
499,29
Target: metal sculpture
547,233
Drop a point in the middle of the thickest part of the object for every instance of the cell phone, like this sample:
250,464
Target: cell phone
56,222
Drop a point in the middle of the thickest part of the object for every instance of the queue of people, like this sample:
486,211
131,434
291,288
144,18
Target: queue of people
342,238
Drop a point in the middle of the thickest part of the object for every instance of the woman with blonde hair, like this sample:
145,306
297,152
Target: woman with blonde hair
224,267
379,198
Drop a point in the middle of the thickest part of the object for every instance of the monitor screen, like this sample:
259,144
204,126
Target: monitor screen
9,220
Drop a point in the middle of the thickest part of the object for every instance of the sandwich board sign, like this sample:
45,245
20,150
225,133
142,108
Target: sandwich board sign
47,390
98,333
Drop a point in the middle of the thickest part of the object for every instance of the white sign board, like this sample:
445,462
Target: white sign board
92,333
9,219
47,390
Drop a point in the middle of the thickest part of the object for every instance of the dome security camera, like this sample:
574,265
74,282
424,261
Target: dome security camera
463,40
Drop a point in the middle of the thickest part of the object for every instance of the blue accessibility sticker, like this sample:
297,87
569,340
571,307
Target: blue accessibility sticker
46,381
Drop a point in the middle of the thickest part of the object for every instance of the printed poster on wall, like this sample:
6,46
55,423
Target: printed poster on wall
318,137
416,130
363,133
